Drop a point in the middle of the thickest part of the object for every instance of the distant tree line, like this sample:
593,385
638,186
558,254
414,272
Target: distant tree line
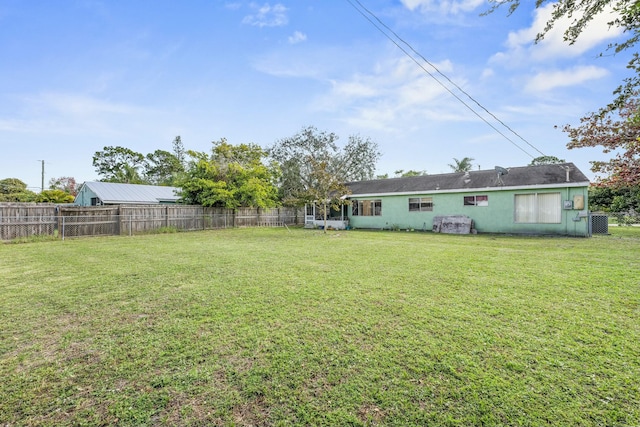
61,190
308,166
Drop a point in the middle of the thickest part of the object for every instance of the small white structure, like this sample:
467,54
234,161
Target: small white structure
314,217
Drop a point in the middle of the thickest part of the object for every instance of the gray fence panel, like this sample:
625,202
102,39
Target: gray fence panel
26,220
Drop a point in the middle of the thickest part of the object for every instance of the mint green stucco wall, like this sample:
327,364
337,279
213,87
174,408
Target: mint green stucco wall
497,217
83,198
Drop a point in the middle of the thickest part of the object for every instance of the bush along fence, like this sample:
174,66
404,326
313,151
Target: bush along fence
24,220
624,218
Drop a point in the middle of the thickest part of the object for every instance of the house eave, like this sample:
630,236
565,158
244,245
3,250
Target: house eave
474,189
129,202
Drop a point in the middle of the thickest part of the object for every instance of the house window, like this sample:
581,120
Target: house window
420,204
95,201
366,208
543,208
476,200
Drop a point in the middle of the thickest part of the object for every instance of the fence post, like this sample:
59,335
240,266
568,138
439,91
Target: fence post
62,228
120,219
131,224
58,219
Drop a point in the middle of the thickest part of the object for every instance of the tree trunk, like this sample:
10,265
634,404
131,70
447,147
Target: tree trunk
324,206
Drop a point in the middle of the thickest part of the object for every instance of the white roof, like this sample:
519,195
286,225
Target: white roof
115,193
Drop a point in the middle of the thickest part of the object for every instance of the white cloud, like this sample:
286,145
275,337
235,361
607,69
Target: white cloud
443,6
394,95
281,65
487,73
520,46
80,105
315,63
548,80
297,37
233,5
67,113
354,89
267,16
415,4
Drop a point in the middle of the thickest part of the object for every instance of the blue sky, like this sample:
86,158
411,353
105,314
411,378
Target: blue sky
79,75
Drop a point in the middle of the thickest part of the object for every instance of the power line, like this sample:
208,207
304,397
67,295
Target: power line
360,8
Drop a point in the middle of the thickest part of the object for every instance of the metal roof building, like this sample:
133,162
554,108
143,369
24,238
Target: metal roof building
97,193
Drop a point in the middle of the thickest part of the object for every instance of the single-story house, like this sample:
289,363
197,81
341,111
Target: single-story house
542,199
109,193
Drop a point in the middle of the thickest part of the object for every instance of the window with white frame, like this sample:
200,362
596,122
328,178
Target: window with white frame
476,200
420,204
541,208
366,208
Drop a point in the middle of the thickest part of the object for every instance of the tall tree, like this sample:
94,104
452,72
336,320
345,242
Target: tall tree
463,165
12,185
14,190
162,168
326,189
401,173
119,164
179,151
231,176
614,199
128,174
545,160
299,156
64,183
615,133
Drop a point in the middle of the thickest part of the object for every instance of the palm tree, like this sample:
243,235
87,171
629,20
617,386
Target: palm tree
545,160
128,175
463,165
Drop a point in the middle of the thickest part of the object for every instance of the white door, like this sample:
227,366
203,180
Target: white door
310,214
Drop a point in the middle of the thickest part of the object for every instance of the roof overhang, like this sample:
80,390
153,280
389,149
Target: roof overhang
472,190
129,202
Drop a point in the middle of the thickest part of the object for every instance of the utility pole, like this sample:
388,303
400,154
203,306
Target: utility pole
42,182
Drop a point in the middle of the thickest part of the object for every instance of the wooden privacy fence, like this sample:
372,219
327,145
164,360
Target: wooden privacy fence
20,220
27,219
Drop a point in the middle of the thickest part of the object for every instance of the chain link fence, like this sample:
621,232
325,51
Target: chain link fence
601,221
25,227
623,219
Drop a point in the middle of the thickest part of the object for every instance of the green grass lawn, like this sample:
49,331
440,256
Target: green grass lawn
276,327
